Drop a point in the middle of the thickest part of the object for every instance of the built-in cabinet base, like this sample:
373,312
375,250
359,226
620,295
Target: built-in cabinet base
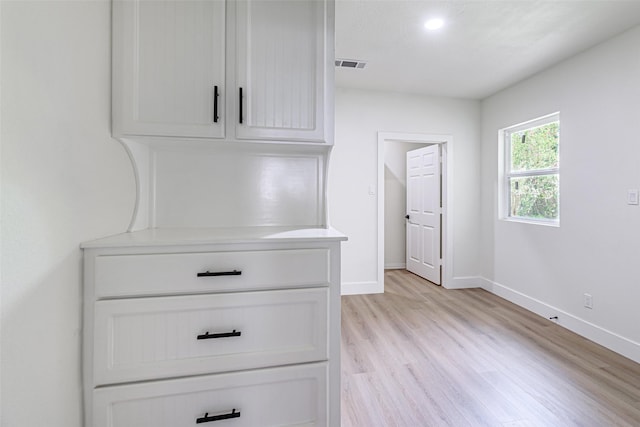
181,323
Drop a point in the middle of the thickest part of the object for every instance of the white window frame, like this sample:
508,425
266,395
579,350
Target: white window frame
505,173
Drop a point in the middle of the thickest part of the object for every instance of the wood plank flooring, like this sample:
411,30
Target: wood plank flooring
421,355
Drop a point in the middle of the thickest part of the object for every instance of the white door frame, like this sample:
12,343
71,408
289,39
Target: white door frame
446,142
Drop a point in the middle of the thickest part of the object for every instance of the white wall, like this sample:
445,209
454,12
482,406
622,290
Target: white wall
353,169
64,180
595,249
395,202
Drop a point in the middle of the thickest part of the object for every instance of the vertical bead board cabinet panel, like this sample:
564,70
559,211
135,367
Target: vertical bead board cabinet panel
214,69
283,71
184,327
168,63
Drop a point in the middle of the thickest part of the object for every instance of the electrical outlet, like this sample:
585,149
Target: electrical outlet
588,301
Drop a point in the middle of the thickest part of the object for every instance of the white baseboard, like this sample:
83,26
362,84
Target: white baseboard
608,339
464,283
357,288
395,266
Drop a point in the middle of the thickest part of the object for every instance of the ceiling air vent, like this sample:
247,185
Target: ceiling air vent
350,63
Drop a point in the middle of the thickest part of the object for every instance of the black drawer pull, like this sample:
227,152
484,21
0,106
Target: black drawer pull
240,105
208,336
220,273
207,418
215,104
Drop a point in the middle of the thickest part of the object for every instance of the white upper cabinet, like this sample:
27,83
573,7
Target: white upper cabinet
280,69
188,69
168,66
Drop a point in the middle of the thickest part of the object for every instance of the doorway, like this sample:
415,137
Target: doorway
398,142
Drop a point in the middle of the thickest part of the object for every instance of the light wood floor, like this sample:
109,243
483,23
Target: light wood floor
420,355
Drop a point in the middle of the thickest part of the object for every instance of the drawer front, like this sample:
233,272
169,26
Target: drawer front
149,338
290,396
183,273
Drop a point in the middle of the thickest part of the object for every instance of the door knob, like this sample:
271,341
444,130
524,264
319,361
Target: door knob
406,216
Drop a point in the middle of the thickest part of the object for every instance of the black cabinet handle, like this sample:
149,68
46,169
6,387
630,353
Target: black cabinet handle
240,104
208,419
208,336
220,273
215,104
406,216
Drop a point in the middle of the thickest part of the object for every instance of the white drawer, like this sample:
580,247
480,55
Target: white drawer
291,396
177,273
148,338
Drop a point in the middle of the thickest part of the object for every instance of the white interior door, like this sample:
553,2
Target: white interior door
423,212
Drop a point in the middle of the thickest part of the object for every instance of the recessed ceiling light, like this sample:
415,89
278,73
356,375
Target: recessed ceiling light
434,24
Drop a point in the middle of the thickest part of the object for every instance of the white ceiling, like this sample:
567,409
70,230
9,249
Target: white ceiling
485,46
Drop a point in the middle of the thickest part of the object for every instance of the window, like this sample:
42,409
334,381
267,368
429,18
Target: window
531,174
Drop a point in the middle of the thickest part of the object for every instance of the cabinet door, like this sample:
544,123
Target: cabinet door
280,70
168,59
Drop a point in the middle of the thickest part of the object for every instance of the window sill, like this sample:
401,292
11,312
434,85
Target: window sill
547,223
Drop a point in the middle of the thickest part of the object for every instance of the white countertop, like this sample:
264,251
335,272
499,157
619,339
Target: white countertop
190,236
